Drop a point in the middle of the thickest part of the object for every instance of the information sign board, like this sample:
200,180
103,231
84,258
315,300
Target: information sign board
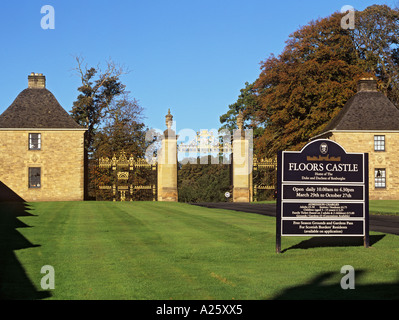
322,191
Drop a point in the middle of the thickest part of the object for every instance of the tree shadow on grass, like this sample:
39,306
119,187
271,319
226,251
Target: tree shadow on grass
317,242
316,289
14,282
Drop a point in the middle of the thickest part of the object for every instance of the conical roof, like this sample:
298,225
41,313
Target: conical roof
368,110
36,107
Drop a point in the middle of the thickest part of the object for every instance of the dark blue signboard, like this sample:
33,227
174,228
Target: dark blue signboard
322,191
325,162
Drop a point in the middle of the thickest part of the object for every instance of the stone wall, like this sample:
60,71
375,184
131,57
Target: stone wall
388,159
61,160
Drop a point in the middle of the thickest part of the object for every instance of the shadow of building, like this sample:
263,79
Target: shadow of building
14,282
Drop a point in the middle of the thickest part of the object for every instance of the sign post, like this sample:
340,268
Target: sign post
322,191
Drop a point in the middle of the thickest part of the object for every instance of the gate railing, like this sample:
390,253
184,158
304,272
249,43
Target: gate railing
125,179
264,176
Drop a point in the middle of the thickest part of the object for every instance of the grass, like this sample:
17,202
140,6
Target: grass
264,201
154,250
390,207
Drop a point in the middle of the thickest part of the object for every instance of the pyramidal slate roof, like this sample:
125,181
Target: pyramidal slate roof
367,110
36,108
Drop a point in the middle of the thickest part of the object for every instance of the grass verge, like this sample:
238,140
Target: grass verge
153,250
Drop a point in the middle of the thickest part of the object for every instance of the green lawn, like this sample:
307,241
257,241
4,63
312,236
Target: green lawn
384,206
153,250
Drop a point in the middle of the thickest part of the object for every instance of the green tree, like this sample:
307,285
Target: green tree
97,91
246,100
113,119
123,129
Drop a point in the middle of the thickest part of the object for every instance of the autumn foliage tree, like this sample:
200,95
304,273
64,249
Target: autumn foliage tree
299,91
305,86
376,38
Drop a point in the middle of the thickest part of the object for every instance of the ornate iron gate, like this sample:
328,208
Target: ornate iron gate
126,179
264,178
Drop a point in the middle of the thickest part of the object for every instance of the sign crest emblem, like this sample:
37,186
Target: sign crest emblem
323,148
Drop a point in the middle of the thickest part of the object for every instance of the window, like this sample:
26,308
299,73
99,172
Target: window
34,177
379,178
379,143
35,141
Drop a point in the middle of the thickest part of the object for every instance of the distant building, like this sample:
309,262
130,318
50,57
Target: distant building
369,122
41,147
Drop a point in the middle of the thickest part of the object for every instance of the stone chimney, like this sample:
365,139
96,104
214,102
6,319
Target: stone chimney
36,81
367,85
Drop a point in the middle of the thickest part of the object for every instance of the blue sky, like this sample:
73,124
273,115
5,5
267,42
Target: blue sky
192,56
